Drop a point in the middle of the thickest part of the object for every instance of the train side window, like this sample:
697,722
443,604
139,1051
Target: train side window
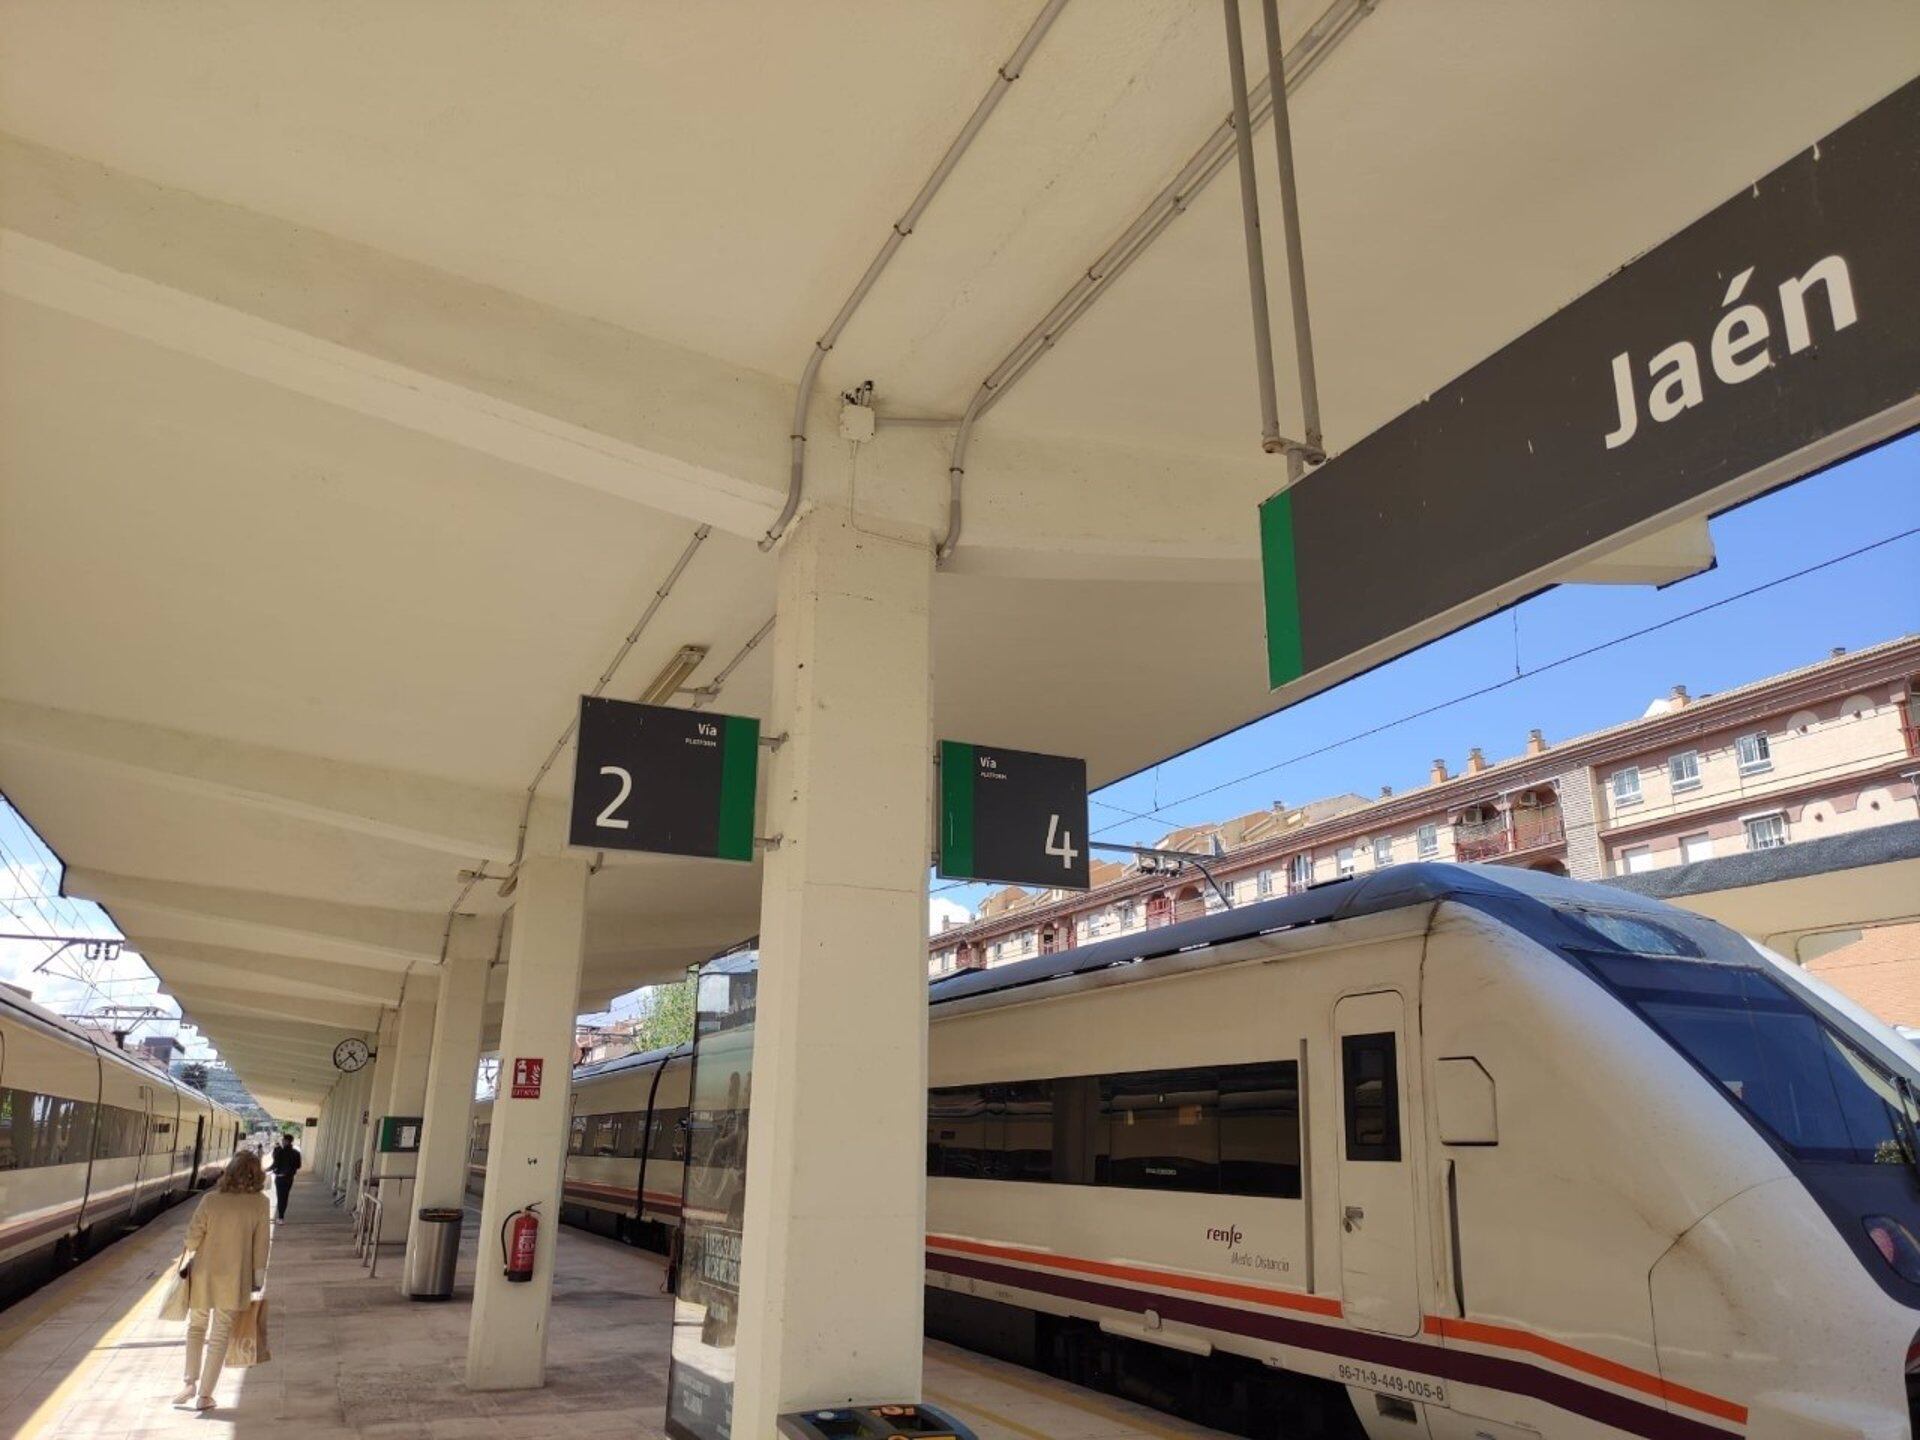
1027,1138
1260,1130
1369,1075
669,1138
965,1133
1161,1130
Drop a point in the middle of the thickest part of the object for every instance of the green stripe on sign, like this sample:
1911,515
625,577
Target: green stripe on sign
739,780
956,810
1280,576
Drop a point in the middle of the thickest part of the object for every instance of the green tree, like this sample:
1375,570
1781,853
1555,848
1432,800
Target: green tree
196,1076
666,1016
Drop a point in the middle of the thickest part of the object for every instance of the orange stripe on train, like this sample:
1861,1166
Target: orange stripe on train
1197,1284
1507,1337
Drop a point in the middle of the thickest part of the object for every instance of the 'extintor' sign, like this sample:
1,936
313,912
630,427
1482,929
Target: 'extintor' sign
1690,379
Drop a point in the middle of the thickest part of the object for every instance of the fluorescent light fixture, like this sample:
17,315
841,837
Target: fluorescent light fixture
664,686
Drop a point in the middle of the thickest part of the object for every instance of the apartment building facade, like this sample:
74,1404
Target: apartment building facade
1827,748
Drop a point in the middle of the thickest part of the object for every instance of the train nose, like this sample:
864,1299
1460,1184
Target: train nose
1761,1305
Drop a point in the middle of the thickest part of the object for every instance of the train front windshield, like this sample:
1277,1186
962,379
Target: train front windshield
1817,1092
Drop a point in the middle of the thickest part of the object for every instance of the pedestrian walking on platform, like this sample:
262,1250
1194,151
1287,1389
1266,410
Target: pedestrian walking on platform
286,1164
226,1264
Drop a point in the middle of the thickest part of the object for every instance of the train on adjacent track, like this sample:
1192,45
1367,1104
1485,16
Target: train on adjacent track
92,1142
1459,1152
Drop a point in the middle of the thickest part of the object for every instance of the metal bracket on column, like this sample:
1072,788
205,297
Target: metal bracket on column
774,742
768,842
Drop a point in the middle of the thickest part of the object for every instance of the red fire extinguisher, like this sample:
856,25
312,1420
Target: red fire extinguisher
519,1240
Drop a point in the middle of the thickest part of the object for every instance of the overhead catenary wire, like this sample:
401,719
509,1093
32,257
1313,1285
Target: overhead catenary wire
1003,81
1306,57
1158,811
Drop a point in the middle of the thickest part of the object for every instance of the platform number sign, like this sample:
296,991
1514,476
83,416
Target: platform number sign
678,782
1012,816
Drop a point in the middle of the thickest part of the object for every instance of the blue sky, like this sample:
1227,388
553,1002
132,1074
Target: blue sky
1855,603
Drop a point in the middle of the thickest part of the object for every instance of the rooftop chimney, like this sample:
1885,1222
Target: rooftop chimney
1438,773
1385,791
1536,743
1476,762
1678,697
1836,652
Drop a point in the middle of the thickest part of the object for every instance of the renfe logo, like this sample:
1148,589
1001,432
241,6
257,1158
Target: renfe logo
1229,1238
1740,347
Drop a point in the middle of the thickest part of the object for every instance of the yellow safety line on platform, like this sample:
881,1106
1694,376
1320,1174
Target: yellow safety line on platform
49,1408
1145,1427
991,1416
29,1314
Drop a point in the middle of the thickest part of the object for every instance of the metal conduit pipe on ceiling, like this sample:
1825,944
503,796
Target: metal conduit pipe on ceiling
1321,38
1297,455
903,227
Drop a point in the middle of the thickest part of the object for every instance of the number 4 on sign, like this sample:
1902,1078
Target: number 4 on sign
1060,843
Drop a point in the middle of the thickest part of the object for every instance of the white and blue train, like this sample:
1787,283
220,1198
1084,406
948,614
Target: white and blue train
1458,1152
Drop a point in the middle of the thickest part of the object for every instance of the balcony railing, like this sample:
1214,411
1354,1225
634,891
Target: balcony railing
1504,834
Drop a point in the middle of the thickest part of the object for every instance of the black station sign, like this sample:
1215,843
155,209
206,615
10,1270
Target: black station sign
1785,316
1012,816
680,782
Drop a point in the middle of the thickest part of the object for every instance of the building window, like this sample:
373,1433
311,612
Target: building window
1766,832
1300,872
1382,852
1625,785
1754,753
1683,771
1343,860
1696,847
1126,914
1427,841
1636,858
1263,884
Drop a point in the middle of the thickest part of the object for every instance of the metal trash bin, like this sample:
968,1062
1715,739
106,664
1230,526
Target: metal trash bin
431,1275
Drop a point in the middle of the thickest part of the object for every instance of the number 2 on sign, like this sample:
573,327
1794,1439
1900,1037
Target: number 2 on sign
605,817
1060,843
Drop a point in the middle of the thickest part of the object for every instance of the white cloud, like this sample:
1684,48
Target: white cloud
940,908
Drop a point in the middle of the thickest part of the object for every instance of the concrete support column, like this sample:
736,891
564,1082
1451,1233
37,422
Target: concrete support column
527,1144
441,1174
831,1274
406,1095
378,1080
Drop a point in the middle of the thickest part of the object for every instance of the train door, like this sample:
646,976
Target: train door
199,1151
1379,1286
144,1166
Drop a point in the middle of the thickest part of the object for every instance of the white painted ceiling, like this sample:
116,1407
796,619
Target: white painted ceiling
364,367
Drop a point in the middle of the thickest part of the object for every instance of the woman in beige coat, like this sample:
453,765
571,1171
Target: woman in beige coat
227,1247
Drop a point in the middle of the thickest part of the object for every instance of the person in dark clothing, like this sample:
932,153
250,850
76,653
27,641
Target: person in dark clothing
285,1165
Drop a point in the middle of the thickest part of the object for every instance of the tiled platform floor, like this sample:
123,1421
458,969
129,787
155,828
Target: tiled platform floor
87,1358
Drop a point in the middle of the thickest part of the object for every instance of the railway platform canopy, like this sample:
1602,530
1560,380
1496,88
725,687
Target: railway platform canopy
380,379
